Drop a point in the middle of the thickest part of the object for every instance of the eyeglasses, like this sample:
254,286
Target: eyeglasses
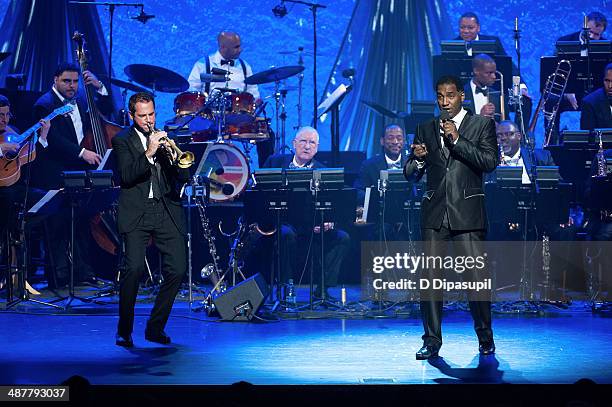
303,143
507,134
6,115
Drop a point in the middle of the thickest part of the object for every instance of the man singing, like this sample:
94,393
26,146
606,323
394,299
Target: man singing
454,150
149,206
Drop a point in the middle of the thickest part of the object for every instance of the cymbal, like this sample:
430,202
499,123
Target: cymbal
273,74
384,111
128,85
304,53
4,55
156,78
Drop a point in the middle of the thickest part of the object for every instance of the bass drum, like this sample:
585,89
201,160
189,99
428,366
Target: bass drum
227,169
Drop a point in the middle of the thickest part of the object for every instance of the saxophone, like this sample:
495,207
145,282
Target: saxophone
211,270
602,167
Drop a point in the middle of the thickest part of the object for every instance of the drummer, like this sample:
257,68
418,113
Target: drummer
226,58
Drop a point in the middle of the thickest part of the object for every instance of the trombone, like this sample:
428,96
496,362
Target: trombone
551,98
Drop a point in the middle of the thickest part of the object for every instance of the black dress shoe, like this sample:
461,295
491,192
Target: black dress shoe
125,341
157,336
427,352
486,348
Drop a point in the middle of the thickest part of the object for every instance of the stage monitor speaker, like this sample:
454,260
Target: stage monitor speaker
241,302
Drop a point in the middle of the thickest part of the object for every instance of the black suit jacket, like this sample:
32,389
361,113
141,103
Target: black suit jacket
369,173
456,185
135,173
62,154
573,37
283,161
595,111
542,157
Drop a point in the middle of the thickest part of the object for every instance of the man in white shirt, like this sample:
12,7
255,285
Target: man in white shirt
65,153
512,154
226,58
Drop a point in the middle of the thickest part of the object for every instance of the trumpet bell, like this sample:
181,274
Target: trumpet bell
186,159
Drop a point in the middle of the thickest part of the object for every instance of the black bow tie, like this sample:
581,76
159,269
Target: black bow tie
229,62
483,90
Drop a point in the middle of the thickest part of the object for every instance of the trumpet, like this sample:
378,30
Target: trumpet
182,159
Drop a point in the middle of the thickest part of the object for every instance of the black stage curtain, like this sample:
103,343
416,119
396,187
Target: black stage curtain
39,36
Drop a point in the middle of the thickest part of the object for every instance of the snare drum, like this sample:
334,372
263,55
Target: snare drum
227,169
189,102
240,108
257,130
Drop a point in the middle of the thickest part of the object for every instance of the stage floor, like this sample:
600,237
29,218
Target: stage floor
42,346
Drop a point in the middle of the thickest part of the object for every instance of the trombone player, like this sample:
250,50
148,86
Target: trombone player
484,99
149,206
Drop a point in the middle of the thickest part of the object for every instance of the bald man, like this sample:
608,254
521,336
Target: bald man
227,57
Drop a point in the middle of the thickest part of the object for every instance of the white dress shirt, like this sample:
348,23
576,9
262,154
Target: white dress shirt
75,115
143,140
458,119
394,163
469,49
517,161
479,99
236,75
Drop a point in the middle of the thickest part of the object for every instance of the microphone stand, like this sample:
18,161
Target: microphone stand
111,11
516,99
313,7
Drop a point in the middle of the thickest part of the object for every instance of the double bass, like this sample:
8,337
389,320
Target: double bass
97,139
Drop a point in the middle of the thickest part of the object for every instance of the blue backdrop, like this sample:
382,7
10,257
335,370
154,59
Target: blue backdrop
185,30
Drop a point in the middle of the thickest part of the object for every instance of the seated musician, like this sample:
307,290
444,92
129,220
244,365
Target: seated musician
65,153
227,58
596,24
514,154
12,193
482,98
597,106
393,157
337,241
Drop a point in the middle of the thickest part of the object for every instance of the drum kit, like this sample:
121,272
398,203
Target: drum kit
219,118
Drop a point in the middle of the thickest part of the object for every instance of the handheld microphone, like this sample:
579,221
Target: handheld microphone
444,117
516,86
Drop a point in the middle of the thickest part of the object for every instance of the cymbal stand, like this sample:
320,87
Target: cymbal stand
280,96
300,84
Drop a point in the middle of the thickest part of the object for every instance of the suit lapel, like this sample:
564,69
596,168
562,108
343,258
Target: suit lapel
134,140
526,159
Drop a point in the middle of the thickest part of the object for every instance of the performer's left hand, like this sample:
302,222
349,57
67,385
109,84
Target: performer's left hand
449,128
90,79
44,130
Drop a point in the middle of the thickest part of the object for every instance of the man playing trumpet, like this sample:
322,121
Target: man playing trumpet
149,206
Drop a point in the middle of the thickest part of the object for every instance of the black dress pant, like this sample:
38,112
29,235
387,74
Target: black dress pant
431,309
155,223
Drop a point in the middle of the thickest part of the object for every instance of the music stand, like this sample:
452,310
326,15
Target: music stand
267,205
328,197
80,195
332,103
